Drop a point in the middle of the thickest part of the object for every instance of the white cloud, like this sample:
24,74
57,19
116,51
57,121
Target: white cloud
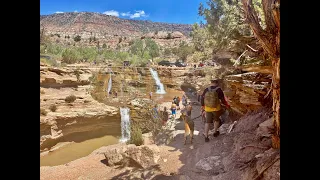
112,13
126,14
137,14
75,11
58,12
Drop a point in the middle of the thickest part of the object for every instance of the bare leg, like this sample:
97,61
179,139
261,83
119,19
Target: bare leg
206,129
216,125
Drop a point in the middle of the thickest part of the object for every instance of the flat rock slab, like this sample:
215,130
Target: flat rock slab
211,165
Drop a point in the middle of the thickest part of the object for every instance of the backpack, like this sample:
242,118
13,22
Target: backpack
211,98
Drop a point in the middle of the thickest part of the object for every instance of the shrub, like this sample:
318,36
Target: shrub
77,38
70,56
54,49
154,122
70,98
43,112
53,107
42,91
88,53
136,135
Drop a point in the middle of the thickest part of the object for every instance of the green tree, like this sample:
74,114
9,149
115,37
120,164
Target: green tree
109,54
122,56
137,48
183,51
152,47
167,52
226,23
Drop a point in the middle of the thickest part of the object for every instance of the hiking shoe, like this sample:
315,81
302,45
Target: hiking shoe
206,139
215,134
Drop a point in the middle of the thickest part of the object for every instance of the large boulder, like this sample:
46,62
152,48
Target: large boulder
135,156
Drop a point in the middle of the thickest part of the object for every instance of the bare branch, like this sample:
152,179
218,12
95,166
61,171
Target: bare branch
251,48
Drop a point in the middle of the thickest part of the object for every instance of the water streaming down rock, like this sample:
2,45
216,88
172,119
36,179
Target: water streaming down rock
155,76
125,124
109,84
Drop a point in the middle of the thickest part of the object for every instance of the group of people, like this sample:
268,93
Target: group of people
213,105
186,105
175,106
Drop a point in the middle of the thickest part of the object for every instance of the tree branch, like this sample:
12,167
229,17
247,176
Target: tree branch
251,48
267,38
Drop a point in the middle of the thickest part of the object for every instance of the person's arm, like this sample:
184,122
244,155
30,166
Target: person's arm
222,97
202,96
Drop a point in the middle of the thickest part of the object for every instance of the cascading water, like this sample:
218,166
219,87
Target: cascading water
155,76
125,124
109,84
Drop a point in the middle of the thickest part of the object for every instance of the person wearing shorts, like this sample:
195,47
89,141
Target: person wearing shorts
173,109
213,114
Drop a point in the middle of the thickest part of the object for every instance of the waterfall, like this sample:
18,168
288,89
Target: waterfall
109,84
160,89
125,124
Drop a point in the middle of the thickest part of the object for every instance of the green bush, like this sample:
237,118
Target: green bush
136,135
88,53
70,56
42,48
54,49
122,56
70,98
109,54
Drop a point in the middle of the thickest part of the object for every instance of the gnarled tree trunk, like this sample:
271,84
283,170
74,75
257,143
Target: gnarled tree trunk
270,41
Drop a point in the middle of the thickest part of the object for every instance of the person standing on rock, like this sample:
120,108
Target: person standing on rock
150,95
211,99
173,109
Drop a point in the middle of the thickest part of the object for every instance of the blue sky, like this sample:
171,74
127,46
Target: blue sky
170,11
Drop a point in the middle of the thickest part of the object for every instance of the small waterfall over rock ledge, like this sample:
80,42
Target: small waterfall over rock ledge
155,76
125,124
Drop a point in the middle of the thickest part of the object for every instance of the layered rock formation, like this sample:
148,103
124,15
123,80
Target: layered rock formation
63,119
247,91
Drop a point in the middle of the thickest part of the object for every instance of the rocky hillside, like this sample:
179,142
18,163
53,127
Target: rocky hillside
100,27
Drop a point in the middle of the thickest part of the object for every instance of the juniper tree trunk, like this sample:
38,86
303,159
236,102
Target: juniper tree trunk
269,38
